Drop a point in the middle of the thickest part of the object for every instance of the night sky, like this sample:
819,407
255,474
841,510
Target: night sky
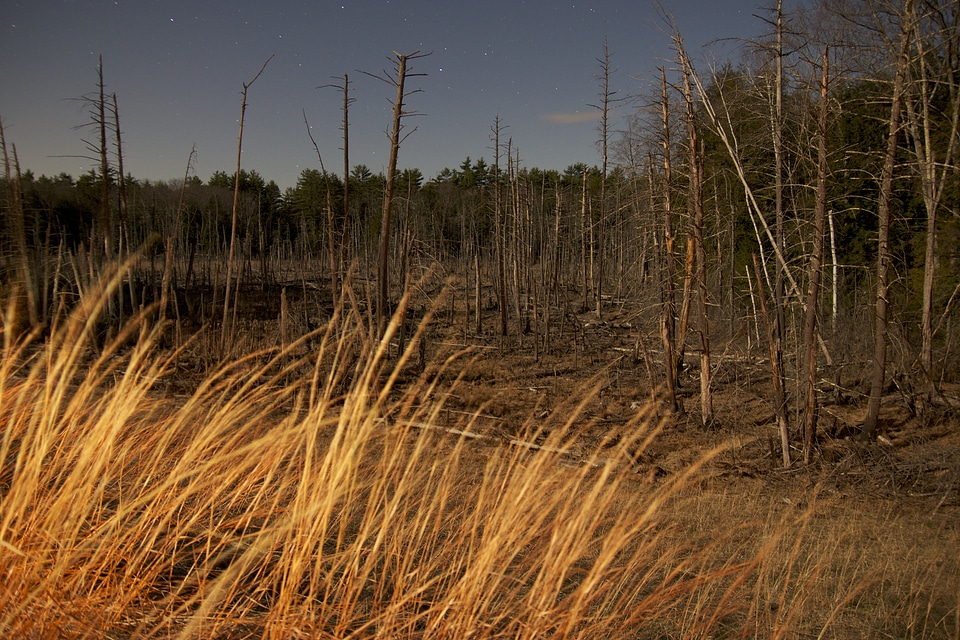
177,68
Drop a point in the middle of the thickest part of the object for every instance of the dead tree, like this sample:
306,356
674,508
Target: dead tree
398,80
586,237
606,100
815,270
225,327
776,117
695,207
884,256
347,100
779,393
121,183
500,230
934,164
17,224
106,225
328,205
668,307
779,304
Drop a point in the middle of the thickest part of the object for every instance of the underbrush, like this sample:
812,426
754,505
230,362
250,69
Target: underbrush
302,493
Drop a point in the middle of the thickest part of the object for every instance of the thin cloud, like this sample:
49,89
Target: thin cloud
572,118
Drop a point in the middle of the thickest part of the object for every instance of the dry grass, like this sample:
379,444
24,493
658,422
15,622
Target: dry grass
270,503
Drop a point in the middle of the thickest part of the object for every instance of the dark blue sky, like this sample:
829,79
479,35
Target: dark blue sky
177,67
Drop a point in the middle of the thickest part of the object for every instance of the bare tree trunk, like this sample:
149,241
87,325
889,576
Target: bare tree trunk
688,267
815,271
668,310
332,250
779,393
605,98
122,192
500,230
177,224
477,301
883,235
121,183
586,237
165,283
777,132
921,130
553,291
519,245
332,246
690,260
226,330
695,204
18,227
835,276
383,302
105,217
346,158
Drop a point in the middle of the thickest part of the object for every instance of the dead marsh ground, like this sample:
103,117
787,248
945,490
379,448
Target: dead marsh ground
465,489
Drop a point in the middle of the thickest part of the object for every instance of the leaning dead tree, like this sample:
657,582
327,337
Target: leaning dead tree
396,79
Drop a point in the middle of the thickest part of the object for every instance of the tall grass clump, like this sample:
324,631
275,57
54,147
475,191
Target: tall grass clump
306,492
